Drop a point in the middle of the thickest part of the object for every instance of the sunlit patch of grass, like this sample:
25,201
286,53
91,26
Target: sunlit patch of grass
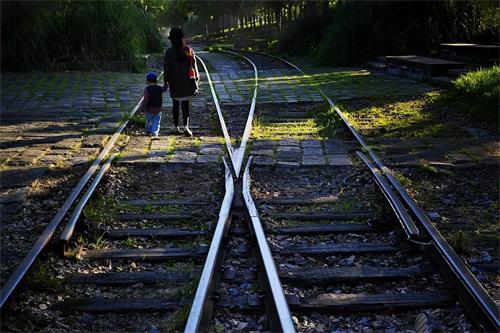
431,170
405,181
98,243
306,129
409,118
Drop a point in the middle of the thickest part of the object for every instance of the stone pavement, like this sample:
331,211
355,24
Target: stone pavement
295,153
439,151
57,120
234,82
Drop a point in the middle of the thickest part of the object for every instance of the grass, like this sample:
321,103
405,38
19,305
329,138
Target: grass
43,279
327,119
269,130
411,117
477,94
101,209
98,244
137,119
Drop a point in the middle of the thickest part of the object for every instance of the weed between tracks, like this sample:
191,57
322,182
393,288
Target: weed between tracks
43,279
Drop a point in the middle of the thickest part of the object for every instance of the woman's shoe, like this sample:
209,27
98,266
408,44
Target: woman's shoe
187,131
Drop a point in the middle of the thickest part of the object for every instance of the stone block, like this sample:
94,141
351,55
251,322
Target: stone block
160,144
208,159
339,159
289,142
262,152
313,160
313,152
263,160
212,151
311,144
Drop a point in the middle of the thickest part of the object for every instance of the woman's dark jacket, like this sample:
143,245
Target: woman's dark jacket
176,74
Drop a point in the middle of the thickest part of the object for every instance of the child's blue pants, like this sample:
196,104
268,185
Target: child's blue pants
153,123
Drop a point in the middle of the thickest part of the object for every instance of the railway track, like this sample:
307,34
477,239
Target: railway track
256,248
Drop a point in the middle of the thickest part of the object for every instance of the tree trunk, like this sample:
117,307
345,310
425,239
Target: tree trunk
325,8
277,13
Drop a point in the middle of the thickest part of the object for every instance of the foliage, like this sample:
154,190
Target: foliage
302,36
477,93
75,31
328,120
480,84
43,279
101,209
360,30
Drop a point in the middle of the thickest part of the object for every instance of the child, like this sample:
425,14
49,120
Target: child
151,104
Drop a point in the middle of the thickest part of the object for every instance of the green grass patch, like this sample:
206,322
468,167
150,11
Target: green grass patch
327,119
269,130
411,117
478,94
101,209
137,119
42,279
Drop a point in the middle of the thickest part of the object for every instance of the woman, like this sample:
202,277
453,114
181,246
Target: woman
181,77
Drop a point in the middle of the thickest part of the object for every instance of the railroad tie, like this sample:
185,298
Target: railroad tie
172,253
342,248
124,278
102,304
377,302
154,232
329,275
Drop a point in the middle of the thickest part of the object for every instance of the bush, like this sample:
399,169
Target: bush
480,84
74,32
302,36
359,30
480,92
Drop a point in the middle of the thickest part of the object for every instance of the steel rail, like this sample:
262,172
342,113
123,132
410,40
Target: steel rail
236,155
240,152
200,313
70,226
486,313
404,218
20,272
278,300
225,132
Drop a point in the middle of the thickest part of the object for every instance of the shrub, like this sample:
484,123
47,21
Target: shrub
359,30
479,91
482,84
82,32
302,36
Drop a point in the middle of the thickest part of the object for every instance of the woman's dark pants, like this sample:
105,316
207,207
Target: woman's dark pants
185,112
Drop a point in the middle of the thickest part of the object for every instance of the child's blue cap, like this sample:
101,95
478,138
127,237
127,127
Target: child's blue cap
151,76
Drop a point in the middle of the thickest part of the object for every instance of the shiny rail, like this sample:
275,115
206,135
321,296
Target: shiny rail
200,313
281,320
236,154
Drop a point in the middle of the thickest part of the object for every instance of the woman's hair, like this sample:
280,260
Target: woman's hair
177,39
180,49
